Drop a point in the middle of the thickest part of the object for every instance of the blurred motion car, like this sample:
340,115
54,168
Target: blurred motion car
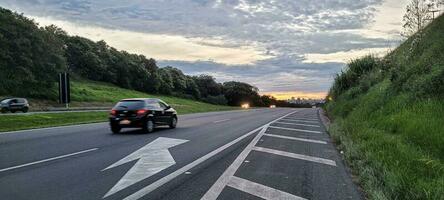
145,113
13,105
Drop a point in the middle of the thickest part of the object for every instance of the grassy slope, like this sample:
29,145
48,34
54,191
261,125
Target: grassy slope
394,141
87,93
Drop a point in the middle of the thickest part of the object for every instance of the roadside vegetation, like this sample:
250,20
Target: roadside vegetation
388,118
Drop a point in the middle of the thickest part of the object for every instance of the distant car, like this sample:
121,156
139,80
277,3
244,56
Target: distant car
272,106
245,106
145,113
14,104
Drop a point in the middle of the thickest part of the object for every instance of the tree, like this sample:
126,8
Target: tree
208,86
237,93
30,57
268,100
416,18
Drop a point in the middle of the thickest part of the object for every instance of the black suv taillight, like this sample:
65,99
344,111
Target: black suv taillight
113,113
141,112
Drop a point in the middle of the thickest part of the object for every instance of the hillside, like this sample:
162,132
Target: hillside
388,118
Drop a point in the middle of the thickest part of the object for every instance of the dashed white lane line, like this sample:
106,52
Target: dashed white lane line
295,138
146,190
47,160
223,120
294,129
296,156
307,125
259,190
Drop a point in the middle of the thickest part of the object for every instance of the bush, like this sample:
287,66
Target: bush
351,77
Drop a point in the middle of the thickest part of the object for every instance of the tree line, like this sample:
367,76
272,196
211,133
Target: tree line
32,56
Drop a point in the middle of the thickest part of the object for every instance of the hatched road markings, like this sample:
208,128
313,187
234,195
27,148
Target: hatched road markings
308,125
295,138
259,190
296,156
262,191
300,120
294,129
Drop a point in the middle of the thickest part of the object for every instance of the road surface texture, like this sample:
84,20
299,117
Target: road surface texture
247,154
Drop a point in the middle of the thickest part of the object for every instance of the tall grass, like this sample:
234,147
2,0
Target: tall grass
394,144
389,119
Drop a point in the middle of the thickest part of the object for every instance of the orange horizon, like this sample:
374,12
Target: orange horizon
289,95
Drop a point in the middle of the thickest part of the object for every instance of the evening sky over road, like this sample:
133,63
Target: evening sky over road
284,47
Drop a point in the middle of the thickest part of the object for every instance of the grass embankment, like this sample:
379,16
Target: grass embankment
389,119
88,93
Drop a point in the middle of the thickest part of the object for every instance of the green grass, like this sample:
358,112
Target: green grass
394,144
390,121
22,122
87,93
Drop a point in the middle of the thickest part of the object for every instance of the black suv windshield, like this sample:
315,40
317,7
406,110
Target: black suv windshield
131,105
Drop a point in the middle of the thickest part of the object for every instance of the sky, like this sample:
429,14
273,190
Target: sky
286,48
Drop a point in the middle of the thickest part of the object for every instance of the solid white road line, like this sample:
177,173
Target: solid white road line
294,129
296,156
219,121
295,138
47,160
223,180
51,128
308,125
146,190
259,190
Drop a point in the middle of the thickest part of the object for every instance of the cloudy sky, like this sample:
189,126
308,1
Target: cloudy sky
284,47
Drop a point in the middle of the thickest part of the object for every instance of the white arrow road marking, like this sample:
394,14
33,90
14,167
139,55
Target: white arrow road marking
152,158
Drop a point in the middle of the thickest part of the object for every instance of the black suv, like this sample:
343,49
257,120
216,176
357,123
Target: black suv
145,113
14,105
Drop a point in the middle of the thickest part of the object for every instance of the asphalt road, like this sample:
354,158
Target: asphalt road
220,155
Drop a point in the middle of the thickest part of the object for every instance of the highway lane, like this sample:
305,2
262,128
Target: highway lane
82,162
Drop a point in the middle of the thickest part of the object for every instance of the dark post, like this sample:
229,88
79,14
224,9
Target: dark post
64,89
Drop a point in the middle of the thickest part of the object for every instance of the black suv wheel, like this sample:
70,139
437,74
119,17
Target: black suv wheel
173,122
115,129
149,126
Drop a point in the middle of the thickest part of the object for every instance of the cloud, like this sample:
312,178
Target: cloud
278,45
344,56
162,46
